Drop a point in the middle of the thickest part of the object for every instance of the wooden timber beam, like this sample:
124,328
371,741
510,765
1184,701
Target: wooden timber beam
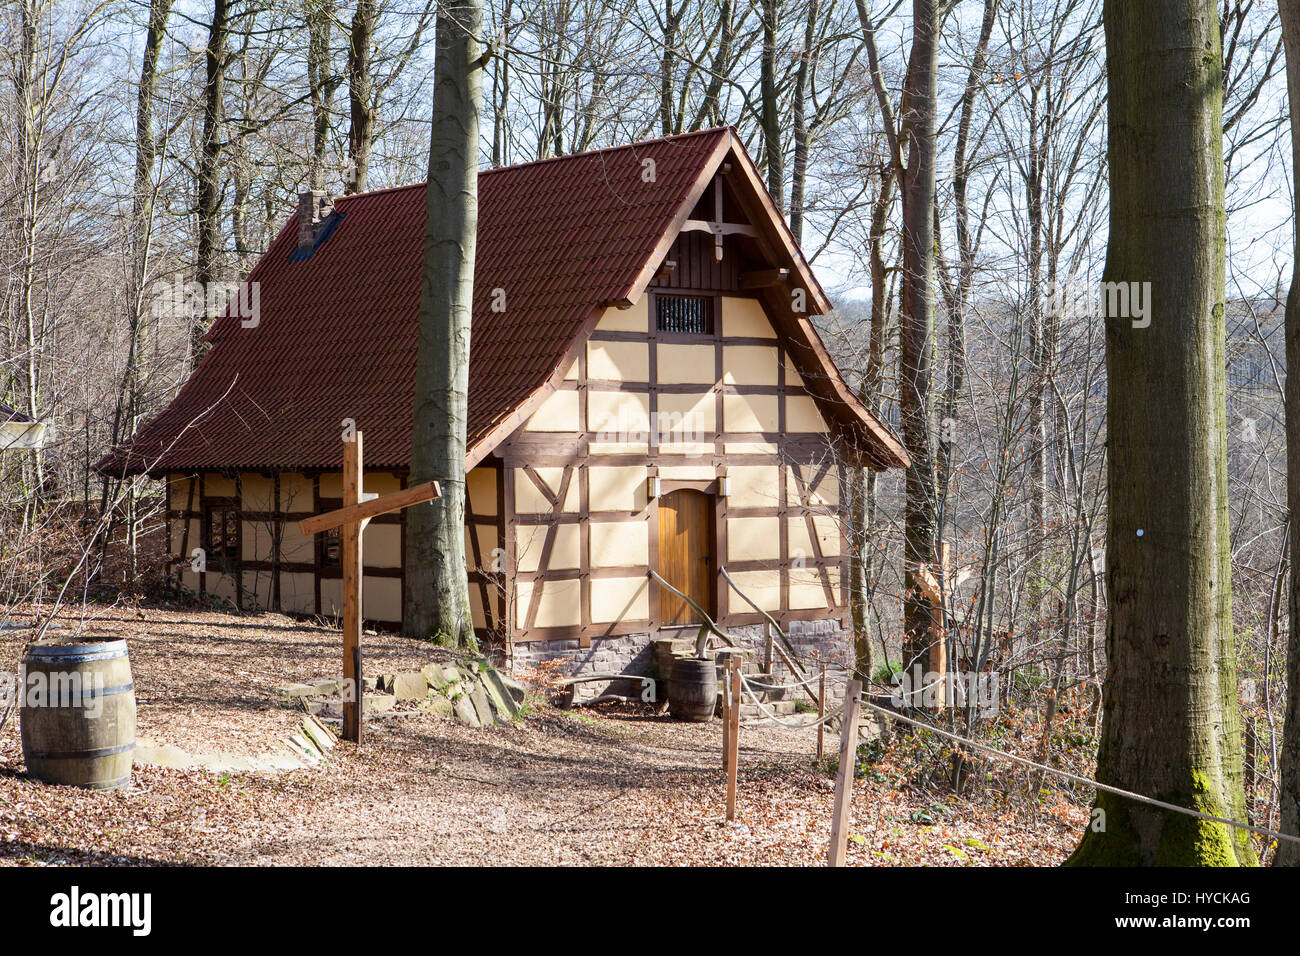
763,278
720,228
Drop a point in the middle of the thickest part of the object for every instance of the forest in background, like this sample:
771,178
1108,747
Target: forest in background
161,143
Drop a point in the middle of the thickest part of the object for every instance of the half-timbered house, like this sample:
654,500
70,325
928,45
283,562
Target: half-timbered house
647,392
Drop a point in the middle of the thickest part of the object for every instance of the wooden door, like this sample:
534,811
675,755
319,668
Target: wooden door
685,554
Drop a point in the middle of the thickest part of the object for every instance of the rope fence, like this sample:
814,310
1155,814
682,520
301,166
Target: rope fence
732,723
1075,778
772,715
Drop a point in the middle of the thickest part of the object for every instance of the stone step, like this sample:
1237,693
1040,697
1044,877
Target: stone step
782,708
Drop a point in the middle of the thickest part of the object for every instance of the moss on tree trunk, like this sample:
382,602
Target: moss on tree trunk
1171,724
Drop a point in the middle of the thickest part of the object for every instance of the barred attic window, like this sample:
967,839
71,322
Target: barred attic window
680,313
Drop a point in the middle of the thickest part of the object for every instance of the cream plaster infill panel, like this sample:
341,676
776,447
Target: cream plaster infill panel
806,591
222,586
620,599
257,587
745,318
825,496
754,486
801,415
381,546
296,547
828,537
476,615
381,599
704,472
531,539
686,417
557,605
634,319
619,544
753,539
750,413
255,540
377,483
218,486
258,493
615,418
557,413
617,488
761,587
295,492
750,364
297,592
178,493
618,361
685,364
481,490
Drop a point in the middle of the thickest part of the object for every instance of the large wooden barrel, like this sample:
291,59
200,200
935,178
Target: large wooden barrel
78,713
693,689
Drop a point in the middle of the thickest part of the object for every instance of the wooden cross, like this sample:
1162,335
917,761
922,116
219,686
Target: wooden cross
352,518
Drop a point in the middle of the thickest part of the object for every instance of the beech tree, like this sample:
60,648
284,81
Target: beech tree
1171,723
915,132
436,598
1288,854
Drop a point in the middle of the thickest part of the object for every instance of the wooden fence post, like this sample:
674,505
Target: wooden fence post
733,741
844,777
821,714
726,713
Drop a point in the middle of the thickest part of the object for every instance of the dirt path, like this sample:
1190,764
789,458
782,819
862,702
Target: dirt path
556,788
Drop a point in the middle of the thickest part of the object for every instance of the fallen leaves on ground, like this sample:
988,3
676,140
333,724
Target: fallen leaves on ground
614,786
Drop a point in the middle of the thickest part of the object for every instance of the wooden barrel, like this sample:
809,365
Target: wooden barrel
78,713
693,689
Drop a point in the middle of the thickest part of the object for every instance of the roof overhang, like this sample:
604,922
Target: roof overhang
866,440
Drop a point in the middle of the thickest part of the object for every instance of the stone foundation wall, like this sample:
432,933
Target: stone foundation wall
814,641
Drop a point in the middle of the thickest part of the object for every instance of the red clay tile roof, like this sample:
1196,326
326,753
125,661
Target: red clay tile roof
336,336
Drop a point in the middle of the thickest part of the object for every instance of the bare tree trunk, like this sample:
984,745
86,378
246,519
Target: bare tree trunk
956,295
30,147
862,482
1171,727
770,108
130,399
361,130
672,26
799,173
209,167
1038,135
320,84
501,91
710,110
436,595
1288,854
918,198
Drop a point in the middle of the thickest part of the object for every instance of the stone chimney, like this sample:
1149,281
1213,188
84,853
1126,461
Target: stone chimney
314,207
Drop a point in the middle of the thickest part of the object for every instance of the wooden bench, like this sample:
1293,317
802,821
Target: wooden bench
566,697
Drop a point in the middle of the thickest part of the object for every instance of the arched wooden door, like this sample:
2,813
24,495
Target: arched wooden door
685,554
